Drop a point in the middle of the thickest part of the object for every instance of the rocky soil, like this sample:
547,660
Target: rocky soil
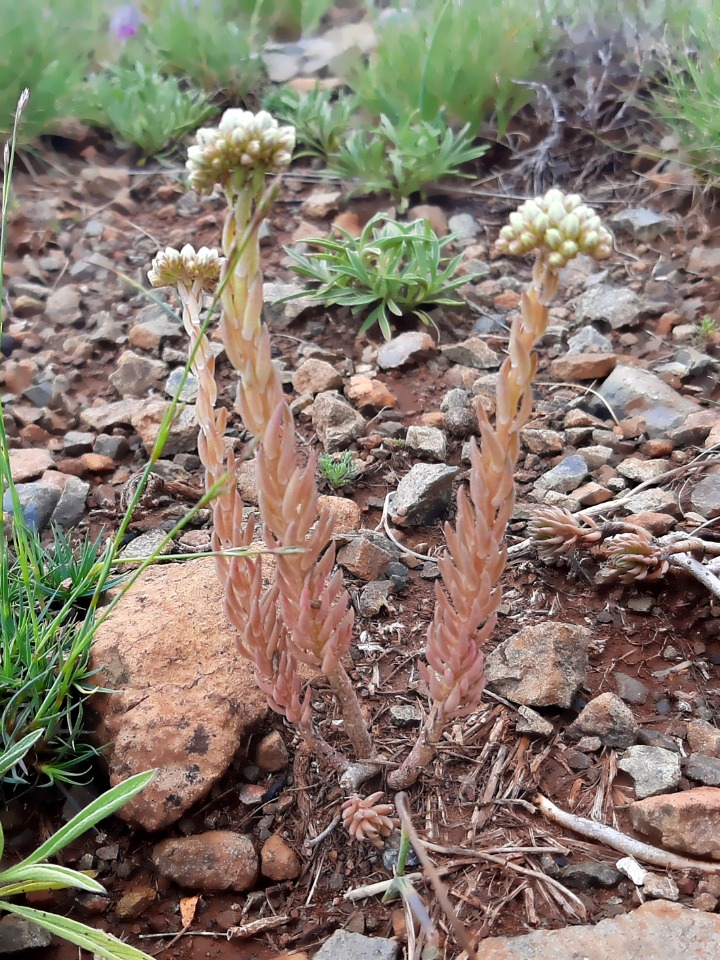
603,698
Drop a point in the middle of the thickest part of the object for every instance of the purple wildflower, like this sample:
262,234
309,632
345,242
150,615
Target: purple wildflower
125,22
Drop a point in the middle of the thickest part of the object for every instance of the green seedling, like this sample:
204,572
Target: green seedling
337,471
390,270
707,329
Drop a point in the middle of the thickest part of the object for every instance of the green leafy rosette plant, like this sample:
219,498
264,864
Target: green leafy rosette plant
142,108
321,122
403,156
390,270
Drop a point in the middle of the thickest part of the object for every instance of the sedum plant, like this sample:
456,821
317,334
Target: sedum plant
303,618
404,156
143,108
390,270
34,873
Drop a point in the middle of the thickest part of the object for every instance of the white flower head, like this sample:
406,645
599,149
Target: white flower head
243,144
559,227
187,266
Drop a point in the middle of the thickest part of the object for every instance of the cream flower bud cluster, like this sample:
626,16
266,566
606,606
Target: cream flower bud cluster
187,266
242,140
559,227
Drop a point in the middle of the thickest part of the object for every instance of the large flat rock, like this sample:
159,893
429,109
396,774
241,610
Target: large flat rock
185,701
658,930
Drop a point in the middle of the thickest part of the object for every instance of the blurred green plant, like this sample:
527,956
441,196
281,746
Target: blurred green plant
48,47
403,158
321,122
688,102
208,44
707,329
391,269
338,470
142,108
34,873
453,58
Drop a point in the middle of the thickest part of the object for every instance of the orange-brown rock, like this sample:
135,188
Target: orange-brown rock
184,700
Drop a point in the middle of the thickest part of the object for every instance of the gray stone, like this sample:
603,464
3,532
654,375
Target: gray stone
703,737
405,716
631,391
694,362
37,501
588,875
597,455
565,477
337,423
70,508
182,437
355,946
545,443
405,350
464,228
115,446
704,260
473,352
18,934
511,670
608,718
643,223
426,442
657,930
189,391
589,340
316,376
705,496
530,721
105,415
703,769
633,468
422,495
63,306
630,689
656,500
653,770
461,422
617,306
136,374
76,442
660,887
278,312
374,597
146,545
105,329
153,326
455,399
364,559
